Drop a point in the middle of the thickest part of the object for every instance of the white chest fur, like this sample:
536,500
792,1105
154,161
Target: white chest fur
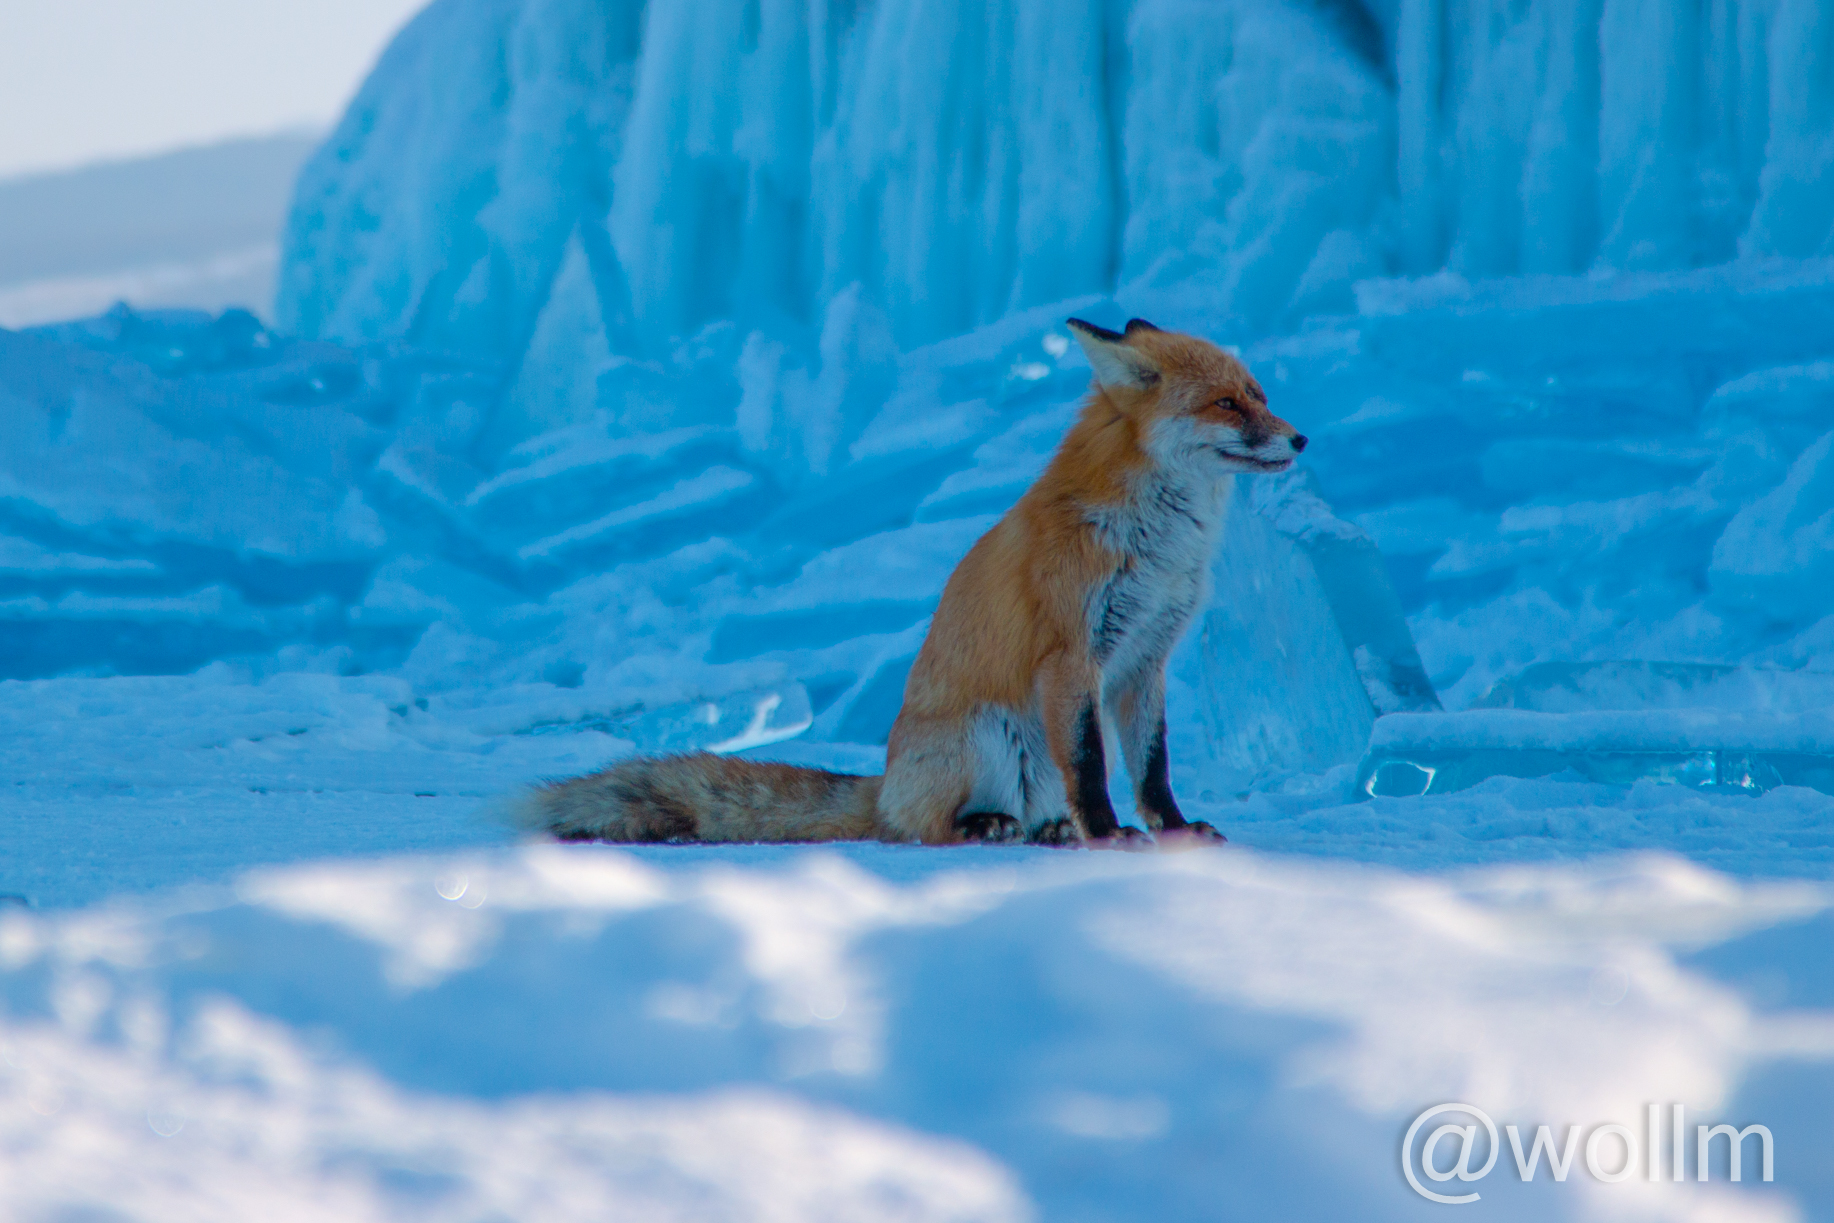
1164,536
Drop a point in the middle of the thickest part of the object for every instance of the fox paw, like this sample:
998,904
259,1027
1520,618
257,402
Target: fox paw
1056,832
1194,835
1125,837
990,827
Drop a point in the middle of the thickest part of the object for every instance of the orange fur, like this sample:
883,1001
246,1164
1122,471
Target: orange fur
1066,610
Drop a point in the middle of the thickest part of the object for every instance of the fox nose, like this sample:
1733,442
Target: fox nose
1299,441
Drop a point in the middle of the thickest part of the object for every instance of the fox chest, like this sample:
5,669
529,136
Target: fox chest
1160,581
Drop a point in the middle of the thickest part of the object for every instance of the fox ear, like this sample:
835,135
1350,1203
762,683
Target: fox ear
1116,362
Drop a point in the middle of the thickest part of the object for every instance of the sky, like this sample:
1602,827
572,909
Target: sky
101,80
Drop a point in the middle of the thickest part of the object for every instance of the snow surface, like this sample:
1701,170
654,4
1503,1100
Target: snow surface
562,1033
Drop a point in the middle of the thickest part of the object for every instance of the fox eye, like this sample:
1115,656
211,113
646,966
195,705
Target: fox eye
1227,401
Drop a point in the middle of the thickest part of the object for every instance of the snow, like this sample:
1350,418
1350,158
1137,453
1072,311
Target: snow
559,1032
643,373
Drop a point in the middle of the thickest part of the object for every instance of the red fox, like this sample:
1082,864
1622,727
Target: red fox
1067,609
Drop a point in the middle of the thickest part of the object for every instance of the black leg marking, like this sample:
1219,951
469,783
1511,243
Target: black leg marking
1091,763
1156,797
992,826
1156,788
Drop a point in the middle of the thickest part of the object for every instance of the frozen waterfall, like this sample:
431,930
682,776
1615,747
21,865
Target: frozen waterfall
572,181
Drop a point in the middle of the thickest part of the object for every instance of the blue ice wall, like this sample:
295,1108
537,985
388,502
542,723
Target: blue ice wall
961,159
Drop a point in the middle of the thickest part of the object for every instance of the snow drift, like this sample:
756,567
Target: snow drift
566,1032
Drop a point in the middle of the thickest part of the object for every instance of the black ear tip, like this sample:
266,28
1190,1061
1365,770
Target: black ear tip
1139,324
1090,329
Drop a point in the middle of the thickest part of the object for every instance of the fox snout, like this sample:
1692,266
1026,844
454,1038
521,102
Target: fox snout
1253,439
1296,442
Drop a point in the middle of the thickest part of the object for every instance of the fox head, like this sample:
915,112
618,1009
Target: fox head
1192,401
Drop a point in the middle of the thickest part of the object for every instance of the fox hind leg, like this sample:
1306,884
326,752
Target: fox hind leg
992,827
1061,832
1016,763
947,782
996,802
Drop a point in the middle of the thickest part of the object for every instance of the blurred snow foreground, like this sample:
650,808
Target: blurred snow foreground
1211,1036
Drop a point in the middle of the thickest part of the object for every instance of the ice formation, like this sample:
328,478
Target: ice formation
663,168
287,505
1643,482
570,186
717,258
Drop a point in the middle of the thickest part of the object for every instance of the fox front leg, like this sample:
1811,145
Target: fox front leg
1140,713
1073,732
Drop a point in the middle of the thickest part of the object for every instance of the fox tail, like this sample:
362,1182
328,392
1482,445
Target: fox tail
702,797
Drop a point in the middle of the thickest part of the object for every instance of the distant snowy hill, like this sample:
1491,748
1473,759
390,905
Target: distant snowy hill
198,227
